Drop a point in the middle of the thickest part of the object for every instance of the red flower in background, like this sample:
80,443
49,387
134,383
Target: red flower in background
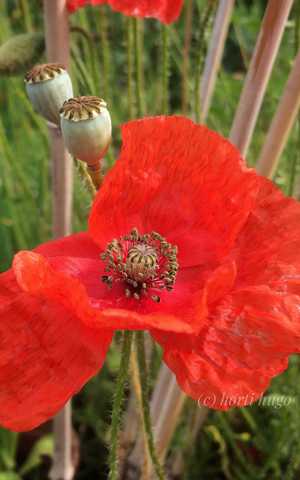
183,241
166,11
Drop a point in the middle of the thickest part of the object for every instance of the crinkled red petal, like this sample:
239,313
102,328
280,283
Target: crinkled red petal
268,247
219,387
216,286
245,343
255,326
46,355
166,11
181,180
75,283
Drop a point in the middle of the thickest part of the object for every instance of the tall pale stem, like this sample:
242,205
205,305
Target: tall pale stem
214,55
282,123
57,43
259,72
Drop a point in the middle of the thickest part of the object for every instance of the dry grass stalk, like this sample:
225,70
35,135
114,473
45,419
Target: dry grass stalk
259,73
282,123
166,422
214,55
57,42
179,461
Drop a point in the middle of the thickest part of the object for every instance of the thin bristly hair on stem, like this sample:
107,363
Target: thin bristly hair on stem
135,380
144,380
117,408
85,178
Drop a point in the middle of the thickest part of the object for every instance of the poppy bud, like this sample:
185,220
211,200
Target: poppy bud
20,52
48,87
86,129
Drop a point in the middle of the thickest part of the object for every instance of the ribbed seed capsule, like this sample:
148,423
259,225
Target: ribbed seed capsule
48,86
86,128
141,263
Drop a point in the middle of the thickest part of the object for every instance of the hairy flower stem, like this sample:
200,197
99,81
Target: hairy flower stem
144,380
117,406
138,50
85,177
135,380
165,69
129,44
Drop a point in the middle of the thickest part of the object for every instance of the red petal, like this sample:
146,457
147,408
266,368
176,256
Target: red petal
181,180
46,355
164,10
79,245
255,326
219,386
76,284
268,247
245,343
216,285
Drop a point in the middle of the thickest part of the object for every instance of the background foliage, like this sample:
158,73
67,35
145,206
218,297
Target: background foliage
258,442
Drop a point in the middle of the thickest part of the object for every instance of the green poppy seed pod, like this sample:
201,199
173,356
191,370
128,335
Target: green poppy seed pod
86,129
48,86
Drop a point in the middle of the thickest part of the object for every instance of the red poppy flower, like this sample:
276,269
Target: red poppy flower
183,241
166,11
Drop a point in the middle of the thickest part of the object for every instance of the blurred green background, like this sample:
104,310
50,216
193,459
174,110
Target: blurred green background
258,442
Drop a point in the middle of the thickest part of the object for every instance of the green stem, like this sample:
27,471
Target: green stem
85,177
186,55
144,380
93,64
201,49
138,49
117,406
26,15
165,69
105,48
130,29
81,68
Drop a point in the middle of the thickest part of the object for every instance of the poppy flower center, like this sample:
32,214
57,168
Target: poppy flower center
146,264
